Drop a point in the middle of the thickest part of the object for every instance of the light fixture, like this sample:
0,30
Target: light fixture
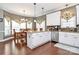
42,10
34,18
24,19
40,19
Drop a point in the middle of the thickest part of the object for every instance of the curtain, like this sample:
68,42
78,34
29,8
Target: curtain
68,13
40,19
17,18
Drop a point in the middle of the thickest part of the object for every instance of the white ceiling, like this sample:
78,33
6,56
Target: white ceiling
17,8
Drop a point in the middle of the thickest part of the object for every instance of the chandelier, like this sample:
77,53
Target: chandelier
24,18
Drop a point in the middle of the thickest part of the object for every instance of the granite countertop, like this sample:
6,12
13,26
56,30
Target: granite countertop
50,31
69,31
36,31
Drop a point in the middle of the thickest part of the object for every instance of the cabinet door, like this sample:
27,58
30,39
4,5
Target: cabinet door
77,42
69,40
46,36
53,18
40,38
66,38
36,39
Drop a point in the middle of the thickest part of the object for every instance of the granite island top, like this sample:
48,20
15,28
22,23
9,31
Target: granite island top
37,31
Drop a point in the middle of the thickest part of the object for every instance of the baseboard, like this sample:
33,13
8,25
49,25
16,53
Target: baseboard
54,41
7,39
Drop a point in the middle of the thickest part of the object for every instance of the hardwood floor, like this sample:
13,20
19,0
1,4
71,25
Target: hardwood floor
9,48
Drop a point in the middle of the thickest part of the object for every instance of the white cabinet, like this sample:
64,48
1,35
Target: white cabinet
65,38
53,18
77,42
69,38
36,39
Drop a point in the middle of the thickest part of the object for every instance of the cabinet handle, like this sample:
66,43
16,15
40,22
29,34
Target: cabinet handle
40,36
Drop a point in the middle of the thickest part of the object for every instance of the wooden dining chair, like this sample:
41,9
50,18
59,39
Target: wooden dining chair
24,37
17,36
20,38
14,35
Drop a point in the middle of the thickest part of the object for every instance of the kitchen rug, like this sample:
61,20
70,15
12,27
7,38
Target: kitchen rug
68,48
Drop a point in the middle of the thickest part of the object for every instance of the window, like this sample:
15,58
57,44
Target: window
15,26
42,25
23,25
7,27
71,23
29,25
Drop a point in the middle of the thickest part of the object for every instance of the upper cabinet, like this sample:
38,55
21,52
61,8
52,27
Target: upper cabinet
53,19
77,9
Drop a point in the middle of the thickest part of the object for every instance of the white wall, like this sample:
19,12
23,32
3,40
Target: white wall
53,19
77,9
1,13
7,27
1,25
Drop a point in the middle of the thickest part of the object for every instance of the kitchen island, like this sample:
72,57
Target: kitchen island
37,38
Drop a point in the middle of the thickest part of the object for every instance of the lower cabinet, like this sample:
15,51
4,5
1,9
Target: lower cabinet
69,38
37,39
76,41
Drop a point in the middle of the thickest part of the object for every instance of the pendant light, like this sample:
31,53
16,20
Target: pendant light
34,12
42,10
24,19
40,19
